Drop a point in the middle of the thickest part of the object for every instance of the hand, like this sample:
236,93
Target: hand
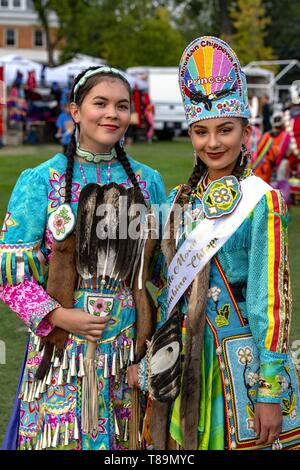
133,376
79,322
267,422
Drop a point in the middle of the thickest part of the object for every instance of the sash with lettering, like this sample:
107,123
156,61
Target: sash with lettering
208,237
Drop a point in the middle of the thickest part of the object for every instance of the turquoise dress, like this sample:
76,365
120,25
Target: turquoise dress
254,262
50,412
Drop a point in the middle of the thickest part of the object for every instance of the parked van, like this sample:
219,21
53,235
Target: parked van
164,93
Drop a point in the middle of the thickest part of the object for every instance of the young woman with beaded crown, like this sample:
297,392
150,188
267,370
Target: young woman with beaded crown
50,410
228,284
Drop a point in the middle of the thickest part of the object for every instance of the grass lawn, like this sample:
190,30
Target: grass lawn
174,161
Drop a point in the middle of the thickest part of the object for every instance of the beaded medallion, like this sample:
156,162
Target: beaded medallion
221,197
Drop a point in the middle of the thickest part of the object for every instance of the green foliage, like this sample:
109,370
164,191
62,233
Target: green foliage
250,21
128,33
153,41
283,31
125,34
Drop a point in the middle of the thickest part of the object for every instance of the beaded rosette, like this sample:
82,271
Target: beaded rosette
221,197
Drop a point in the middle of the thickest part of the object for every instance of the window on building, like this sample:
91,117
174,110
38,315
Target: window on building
4,3
12,4
38,38
10,37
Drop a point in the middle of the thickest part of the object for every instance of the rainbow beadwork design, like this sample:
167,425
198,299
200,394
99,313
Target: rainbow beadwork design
211,81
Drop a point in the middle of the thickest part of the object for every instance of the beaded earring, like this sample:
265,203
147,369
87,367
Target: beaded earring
122,141
246,155
195,158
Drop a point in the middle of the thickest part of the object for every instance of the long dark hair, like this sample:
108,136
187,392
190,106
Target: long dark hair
200,167
71,150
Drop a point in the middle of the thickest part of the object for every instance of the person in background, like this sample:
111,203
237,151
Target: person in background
271,149
65,127
256,134
266,113
149,117
31,81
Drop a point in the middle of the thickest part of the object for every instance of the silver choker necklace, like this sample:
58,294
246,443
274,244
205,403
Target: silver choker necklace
95,157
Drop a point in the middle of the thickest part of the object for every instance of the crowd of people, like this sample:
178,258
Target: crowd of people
27,107
275,152
154,323
30,106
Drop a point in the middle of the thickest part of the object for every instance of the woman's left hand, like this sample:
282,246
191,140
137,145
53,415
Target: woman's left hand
133,376
267,422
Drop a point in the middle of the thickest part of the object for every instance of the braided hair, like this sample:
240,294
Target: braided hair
200,167
71,150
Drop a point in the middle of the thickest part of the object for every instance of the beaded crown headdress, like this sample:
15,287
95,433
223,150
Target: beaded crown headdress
211,81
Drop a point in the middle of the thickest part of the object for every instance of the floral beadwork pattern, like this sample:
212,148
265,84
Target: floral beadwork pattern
126,298
8,222
245,355
100,305
223,313
221,195
57,193
192,112
289,402
251,380
142,184
61,220
31,303
231,106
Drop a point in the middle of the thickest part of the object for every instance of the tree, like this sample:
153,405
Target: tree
44,8
151,41
283,31
250,22
199,17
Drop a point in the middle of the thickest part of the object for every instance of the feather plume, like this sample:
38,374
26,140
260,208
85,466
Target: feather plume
135,220
85,216
110,248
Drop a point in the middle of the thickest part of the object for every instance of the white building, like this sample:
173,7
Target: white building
21,32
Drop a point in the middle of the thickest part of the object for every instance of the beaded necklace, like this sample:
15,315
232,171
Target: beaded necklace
98,174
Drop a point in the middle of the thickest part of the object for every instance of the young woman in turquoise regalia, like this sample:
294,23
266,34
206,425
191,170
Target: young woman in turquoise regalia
225,299
82,315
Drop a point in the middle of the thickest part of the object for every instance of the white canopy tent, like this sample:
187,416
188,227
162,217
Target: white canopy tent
13,63
65,73
62,74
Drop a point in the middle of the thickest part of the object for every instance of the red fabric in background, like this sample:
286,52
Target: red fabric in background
137,104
